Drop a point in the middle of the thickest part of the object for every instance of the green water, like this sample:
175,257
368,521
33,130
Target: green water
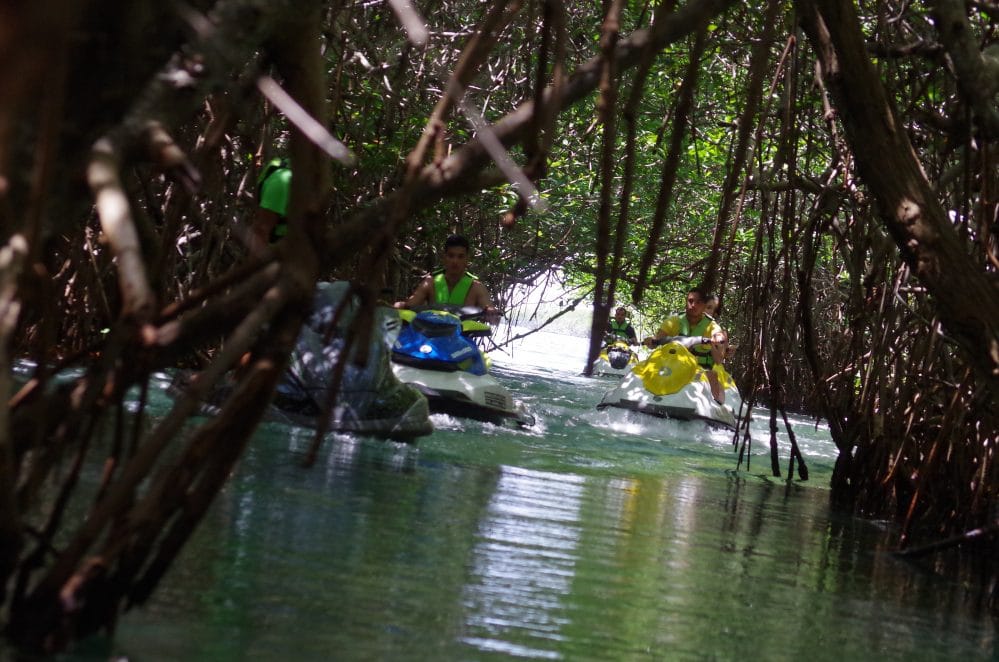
593,536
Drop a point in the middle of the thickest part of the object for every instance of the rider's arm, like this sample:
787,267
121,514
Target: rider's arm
478,296
423,294
719,342
670,327
275,192
264,222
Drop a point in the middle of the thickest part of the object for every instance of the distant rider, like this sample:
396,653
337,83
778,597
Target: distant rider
695,322
454,285
620,327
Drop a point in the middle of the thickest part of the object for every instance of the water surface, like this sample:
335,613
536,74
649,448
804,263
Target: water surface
596,535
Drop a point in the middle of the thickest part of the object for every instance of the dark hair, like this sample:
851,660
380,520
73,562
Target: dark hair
701,292
457,240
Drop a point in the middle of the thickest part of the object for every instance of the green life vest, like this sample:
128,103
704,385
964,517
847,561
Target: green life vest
455,297
701,352
273,192
620,330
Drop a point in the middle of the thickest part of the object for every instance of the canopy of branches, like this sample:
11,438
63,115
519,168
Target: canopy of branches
829,169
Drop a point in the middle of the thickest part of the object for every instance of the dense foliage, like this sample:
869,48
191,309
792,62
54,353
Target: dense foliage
828,168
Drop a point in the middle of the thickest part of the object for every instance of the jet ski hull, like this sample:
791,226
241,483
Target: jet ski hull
400,414
459,393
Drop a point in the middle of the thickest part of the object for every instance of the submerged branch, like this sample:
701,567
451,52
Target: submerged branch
974,535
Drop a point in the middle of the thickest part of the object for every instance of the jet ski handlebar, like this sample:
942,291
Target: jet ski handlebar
686,341
611,338
463,312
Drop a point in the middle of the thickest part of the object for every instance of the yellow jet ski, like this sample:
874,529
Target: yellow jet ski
671,384
616,358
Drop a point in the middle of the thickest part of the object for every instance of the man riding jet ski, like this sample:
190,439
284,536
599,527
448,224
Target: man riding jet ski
685,377
453,285
435,349
671,384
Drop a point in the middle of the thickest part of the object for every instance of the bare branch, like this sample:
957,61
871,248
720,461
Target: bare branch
307,124
977,74
513,172
119,228
412,22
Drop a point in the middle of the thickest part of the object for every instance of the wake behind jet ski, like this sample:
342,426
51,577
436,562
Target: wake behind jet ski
435,350
671,384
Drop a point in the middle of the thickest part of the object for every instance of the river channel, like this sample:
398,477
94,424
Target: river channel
595,535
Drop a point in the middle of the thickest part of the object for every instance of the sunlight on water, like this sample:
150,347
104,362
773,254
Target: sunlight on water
529,532
545,351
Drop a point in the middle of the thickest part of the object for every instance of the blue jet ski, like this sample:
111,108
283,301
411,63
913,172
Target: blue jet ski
436,352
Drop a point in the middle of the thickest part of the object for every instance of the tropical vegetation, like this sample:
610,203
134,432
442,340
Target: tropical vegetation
828,167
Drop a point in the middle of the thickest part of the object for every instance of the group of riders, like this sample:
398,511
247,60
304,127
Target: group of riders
456,286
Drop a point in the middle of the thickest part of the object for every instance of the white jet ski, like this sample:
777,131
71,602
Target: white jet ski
671,384
435,351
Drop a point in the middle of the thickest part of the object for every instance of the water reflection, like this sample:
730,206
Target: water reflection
524,563
599,539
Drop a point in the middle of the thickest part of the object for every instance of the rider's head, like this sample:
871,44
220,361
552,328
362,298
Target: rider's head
456,240
620,314
456,252
696,301
711,305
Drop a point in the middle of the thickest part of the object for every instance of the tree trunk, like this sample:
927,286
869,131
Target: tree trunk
967,301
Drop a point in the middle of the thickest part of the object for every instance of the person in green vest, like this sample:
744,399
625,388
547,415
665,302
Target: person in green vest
270,223
620,327
453,285
696,322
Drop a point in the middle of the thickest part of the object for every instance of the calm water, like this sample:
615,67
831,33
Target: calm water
593,536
